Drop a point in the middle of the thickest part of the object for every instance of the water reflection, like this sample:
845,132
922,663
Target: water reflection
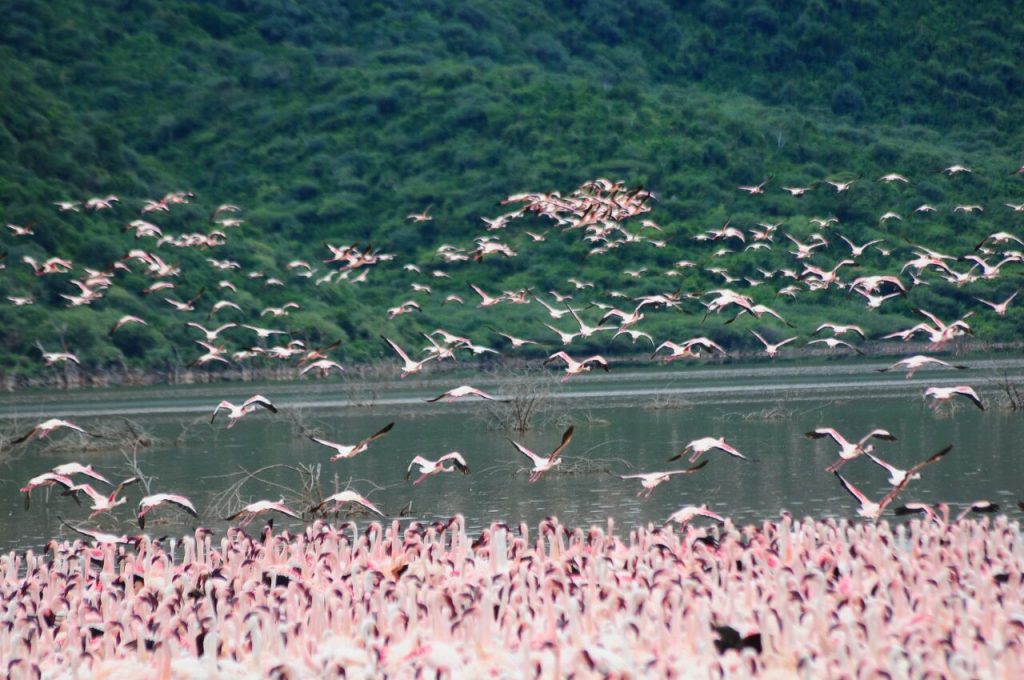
615,434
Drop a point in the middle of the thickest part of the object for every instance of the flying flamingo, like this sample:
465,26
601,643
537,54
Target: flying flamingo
573,367
252,509
323,367
408,365
69,469
101,503
541,464
150,502
211,335
691,512
705,444
912,364
463,391
650,480
248,406
103,538
125,320
847,450
517,342
345,497
46,427
896,475
872,510
772,349
47,479
941,394
350,451
434,467
977,506
999,307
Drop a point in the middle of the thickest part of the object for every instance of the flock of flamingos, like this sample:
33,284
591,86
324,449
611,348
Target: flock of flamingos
934,597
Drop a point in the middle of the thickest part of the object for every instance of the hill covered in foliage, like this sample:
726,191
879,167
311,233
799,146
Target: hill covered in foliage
330,123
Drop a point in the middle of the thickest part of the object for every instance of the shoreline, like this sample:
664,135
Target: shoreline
71,378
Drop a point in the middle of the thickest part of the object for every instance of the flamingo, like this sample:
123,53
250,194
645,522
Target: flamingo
47,426
940,394
755,190
896,475
517,342
541,464
999,307
464,391
434,467
103,538
912,364
248,406
573,367
565,337
345,497
585,330
350,451
262,333
17,230
847,450
250,511
686,349
420,216
871,510
150,502
833,343
69,469
985,506
124,321
323,366
771,349
650,480
485,299
408,365
857,251
701,446
47,479
690,512
839,186
840,329
100,502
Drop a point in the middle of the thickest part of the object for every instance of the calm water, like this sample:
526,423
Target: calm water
624,423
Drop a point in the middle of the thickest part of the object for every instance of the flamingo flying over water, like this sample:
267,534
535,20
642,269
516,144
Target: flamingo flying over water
150,502
540,463
849,450
651,480
248,406
871,510
701,446
345,497
434,467
350,451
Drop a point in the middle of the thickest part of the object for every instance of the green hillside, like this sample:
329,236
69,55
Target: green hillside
331,124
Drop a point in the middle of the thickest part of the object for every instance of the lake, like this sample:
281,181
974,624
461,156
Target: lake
625,422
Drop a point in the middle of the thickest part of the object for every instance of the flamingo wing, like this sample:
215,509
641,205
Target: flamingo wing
566,438
537,460
379,433
853,491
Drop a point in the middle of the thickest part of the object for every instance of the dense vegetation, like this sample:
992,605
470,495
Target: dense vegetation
332,123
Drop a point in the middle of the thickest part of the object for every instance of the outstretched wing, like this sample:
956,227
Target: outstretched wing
566,438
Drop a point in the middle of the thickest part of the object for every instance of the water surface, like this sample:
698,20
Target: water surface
624,423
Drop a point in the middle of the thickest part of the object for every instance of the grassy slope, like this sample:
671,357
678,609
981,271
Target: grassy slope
334,123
